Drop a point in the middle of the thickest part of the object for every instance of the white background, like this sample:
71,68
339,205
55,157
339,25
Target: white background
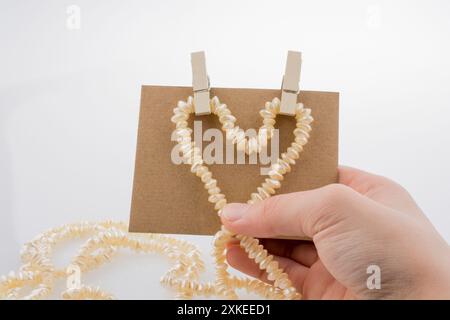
69,99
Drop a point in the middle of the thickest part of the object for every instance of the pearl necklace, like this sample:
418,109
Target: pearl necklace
39,273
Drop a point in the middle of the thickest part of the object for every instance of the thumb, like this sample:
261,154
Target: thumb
292,215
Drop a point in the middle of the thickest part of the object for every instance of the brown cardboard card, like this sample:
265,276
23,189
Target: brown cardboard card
168,198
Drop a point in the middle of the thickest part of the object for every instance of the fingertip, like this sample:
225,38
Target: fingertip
232,217
233,212
232,256
232,248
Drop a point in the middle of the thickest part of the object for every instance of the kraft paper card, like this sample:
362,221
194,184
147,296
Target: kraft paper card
168,198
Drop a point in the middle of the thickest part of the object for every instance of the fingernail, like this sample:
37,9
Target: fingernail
234,211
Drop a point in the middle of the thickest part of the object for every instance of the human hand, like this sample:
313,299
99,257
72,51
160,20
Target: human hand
364,220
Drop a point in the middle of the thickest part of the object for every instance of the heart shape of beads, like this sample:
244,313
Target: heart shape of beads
226,284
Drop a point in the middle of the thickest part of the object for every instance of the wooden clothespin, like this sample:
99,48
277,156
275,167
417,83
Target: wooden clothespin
200,83
290,86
